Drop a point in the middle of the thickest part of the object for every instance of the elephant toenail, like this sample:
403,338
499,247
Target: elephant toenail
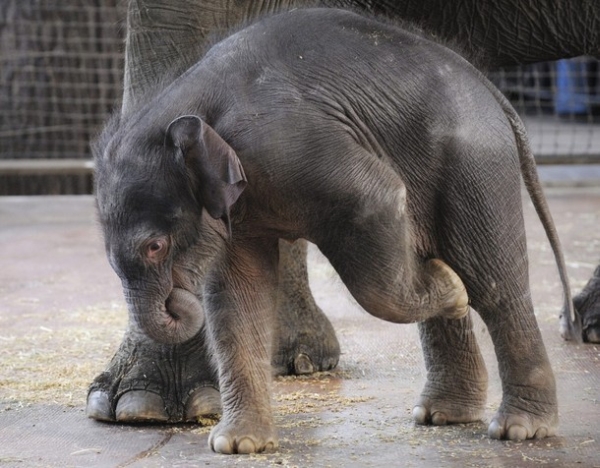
202,402
222,445
439,419
495,430
270,447
303,364
420,414
99,407
517,432
141,406
246,445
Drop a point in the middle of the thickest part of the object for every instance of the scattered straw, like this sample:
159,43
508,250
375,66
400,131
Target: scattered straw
58,364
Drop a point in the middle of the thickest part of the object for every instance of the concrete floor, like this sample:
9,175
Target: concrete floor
62,317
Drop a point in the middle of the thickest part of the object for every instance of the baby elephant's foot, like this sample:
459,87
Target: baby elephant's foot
522,426
453,297
249,437
448,399
440,412
529,410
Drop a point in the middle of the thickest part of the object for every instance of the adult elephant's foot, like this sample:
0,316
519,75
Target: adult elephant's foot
587,304
305,340
456,387
149,382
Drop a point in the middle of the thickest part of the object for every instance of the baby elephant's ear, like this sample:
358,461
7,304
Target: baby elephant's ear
220,178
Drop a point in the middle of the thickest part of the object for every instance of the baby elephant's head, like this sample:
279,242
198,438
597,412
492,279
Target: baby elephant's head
154,187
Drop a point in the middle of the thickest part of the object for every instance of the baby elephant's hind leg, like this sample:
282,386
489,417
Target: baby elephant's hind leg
373,252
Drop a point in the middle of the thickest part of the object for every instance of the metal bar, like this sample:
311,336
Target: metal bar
567,159
46,166
86,166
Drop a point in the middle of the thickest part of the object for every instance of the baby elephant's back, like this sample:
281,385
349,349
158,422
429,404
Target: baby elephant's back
381,68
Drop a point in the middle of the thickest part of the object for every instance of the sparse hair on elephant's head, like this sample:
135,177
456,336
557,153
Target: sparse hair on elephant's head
186,156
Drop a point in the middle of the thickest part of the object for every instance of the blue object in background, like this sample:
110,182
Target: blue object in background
572,93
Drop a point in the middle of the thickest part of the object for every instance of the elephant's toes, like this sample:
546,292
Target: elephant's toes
592,335
591,324
587,307
203,401
303,363
228,440
521,427
99,407
423,416
440,412
307,346
141,406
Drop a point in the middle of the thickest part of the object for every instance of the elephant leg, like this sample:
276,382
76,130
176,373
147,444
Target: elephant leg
305,340
498,286
481,238
240,307
456,387
587,304
529,406
144,380
485,244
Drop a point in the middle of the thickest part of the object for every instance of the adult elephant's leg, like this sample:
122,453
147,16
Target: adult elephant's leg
305,340
587,304
456,387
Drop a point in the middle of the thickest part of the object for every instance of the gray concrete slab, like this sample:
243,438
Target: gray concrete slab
62,317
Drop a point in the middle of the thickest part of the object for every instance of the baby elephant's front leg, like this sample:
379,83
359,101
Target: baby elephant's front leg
240,300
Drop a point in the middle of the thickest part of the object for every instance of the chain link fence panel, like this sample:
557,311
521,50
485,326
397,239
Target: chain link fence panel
61,68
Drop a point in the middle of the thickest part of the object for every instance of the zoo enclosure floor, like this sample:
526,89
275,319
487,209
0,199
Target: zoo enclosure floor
62,316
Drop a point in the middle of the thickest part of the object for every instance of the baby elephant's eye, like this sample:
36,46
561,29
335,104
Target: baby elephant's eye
156,249
155,246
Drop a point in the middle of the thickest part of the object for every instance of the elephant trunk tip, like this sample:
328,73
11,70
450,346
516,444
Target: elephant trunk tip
178,320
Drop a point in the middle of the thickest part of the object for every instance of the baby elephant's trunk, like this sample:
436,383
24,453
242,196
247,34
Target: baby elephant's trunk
176,320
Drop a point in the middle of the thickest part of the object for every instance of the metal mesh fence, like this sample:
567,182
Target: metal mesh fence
560,104
61,67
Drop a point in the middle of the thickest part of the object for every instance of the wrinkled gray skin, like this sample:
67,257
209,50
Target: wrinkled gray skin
146,381
283,131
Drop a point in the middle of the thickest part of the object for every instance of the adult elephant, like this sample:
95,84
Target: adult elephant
149,381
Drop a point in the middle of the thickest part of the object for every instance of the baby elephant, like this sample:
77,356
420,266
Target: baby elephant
389,152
